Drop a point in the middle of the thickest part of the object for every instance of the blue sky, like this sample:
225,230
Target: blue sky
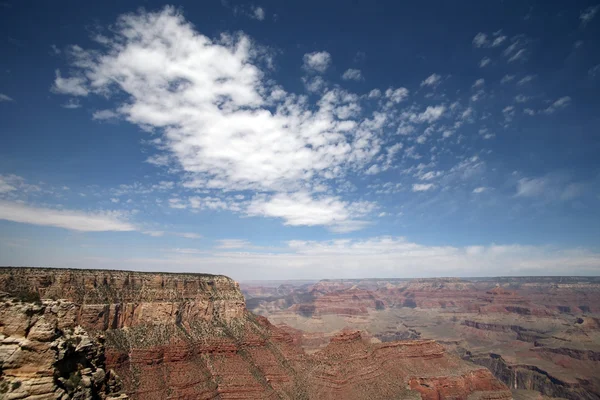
274,140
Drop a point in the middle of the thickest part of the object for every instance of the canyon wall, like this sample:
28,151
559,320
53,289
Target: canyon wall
189,336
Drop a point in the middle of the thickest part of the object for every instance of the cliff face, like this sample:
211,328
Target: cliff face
119,299
44,354
531,378
187,336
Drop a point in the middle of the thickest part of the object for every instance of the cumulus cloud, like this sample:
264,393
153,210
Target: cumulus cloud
317,61
221,119
485,61
352,75
68,219
431,114
396,95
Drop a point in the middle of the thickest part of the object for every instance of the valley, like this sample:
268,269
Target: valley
540,336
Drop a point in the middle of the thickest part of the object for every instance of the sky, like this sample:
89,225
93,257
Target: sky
302,139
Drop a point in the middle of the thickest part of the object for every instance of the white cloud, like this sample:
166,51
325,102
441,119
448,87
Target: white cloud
9,183
478,83
317,61
480,189
300,208
588,14
520,98
507,78
232,244
431,114
519,55
526,79
352,75
177,204
218,116
68,219
484,62
188,235
71,104
432,80
314,84
498,41
258,13
396,95
102,115
4,98
382,257
480,40
559,104
75,86
422,187
375,93
551,187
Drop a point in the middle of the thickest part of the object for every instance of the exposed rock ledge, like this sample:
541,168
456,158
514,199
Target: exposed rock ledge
45,355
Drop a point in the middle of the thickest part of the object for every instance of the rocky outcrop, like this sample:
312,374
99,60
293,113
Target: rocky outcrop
44,354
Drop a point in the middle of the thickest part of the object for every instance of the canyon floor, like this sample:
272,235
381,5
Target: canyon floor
540,336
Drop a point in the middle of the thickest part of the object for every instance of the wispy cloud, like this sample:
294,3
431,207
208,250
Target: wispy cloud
302,209
4,98
559,104
68,219
232,244
588,14
485,61
432,80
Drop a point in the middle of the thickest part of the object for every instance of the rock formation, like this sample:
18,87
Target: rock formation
189,336
44,354
545,330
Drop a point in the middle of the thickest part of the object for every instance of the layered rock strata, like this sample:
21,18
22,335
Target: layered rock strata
189,336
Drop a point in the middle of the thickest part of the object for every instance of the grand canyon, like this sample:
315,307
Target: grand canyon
97,334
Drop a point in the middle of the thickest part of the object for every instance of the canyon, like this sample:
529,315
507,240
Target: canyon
538,335
99,334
